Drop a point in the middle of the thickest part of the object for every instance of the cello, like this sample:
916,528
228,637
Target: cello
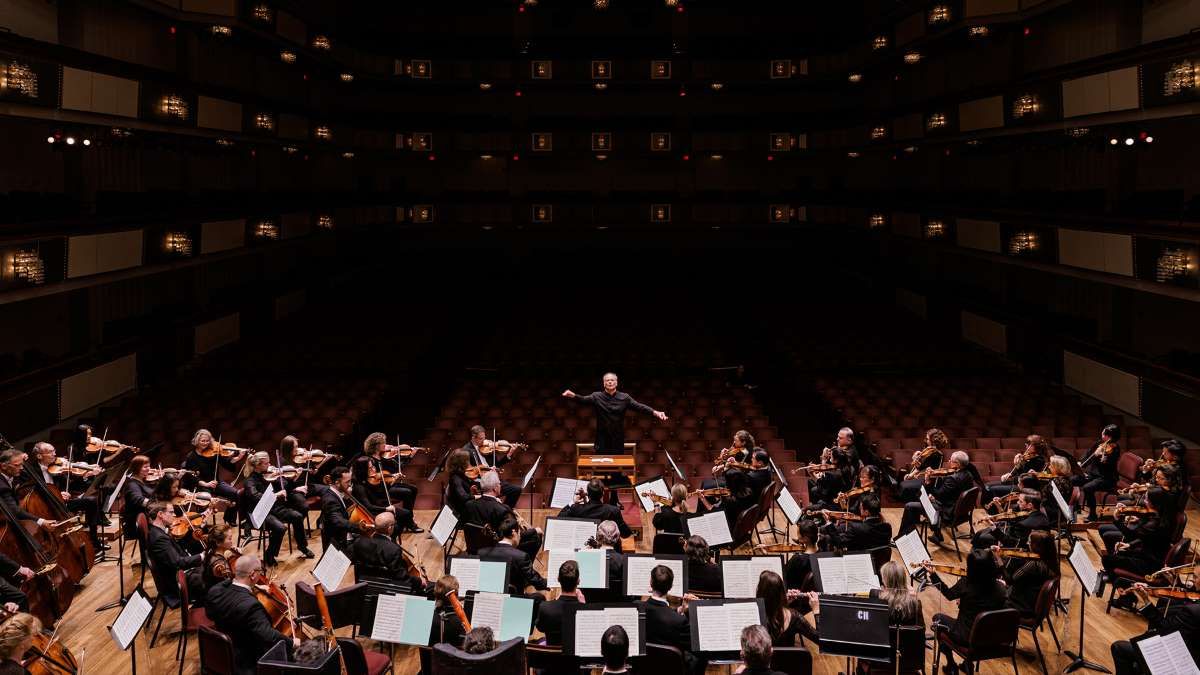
51,589
278,605
75,551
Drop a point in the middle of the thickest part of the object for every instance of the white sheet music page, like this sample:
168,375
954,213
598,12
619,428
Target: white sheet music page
263,508
740,577
860,573
389,618
674,466
764,563
1180,655
443,525
532,470
712,526
554,560
112,498
930,513
589,629
658,487
790,507
331,569
565,490
567,535
1084,568
627,618
721,626
1063,507
466,570
488,610
911,550
130,620
833,575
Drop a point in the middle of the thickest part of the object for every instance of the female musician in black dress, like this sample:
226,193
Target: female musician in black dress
978,592
931,457
1026,576
670,518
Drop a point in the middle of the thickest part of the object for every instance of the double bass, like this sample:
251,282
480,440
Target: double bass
278,605
76,552
51,589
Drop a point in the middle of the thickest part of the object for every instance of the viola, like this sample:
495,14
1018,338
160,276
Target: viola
1172,593
656,498
403,451
1114,511
191,522
1017,553
490,447
62,465
109,446
310,456
952,570
923,455
221,449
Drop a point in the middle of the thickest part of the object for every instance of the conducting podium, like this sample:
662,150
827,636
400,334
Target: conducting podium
620,469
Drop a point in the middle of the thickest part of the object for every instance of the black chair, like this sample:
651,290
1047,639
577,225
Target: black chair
766,506
168,603
993,636
792,660
216,652
550,660
477,537
667,542
911,641
507,657
190,618
880,555
663,659
1041,611
964,510
345,605
359,660
743,529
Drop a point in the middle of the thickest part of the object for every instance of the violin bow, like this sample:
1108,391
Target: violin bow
70,460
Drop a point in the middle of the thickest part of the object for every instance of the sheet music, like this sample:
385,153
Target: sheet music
112,498
1167,655
565,490
911,550
658,486
1084,568
331,569
488,610
130,621
638,568
593,567
930,513
1063,507
466,570
720,628
627,618
532,470
443,526
402,619
790,507
740,577
712,526
847,574
674,466
777,472
389,618
567,535
589,629
263,508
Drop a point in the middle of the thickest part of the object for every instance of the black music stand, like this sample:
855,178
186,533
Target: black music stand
855,628
1077,660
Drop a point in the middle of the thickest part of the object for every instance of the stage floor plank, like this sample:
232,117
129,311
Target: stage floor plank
84,629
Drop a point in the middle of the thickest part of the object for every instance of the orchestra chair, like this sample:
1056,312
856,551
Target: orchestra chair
880,555
550,660
216,652
190,618
1177,555
143,525
277,661
766,506
476,537
911,656
964,509
993,636
743,529
791,660
507,657
667,542
366,661
663,659
345,605
1041,611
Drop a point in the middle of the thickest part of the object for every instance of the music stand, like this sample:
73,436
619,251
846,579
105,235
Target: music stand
855,628
1089,572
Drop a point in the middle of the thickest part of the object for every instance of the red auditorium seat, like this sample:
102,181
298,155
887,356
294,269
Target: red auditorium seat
988,443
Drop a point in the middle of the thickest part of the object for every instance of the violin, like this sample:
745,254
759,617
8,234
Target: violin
1017,553
814,467
952,570
739,465
1161,592
286,471
473,472
656,498
403,451
923,455
62,465
310,456
452,596
844,498
199,499
190,522
780,548
222,449
937,473
1103,452
490,447
710,492
1136,488
110,447
1042,475
1113,511
843,515
1004,517
156,475
375,476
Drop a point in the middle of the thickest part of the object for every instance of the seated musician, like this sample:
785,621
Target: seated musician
1146,538
234,609
373,496
760,475
614,651
943,496
520,563
165,554
741,497
799,566
378,555
608,536
16,638
868,484
1172,452
207,469
670,518
458,484
666,625
447,627
1060,468
336,527
166,490
281,514
1165,478
75,500
1178,615
1100,468
931,457
1032,458
846,443
757,651
739,451
218,547
475,457
704,575
479,640
595,508
308,483
12,463
489,511
404,494
870,532
783,622
1025,576
12,575
550,613
824,486
978,592
904,605
1013,532
137,495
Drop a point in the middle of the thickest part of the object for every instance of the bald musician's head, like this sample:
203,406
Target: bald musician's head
384,522
245,566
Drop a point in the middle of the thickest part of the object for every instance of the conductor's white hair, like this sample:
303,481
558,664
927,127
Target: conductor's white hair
605,376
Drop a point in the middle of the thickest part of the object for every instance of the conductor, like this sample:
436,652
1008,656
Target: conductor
610,406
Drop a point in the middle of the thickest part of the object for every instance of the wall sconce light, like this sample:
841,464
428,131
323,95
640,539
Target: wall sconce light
541,70
781,69
1025,105
912,58
660,70
880,42
288,57
978,31
221,31
1024,242
936,121
178,243
266,229
935,229
939,14
660,213
543,142
1180,77
321,42
876,221
263,12
601,70
660,141
1172,264
18,78
264,121
28,266
325,221
878,133
173,106
543,213
322,133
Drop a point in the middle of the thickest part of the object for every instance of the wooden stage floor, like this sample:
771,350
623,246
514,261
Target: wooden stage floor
84,630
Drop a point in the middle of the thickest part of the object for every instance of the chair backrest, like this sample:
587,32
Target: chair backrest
508,657
880,555
668,542
1180,524
994,634
1178,553
345,604
767,499
792,660
663,659
478,536
143,529
744,526
184,600
216,652
1045,599
965,506
550,660
352,655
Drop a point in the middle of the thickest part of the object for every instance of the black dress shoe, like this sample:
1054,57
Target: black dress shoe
307,553
270,562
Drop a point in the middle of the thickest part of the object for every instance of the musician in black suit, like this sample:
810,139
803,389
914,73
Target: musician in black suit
1013,532
44,457
488,510
703,575
231,605
281,514
458,485
165,554
610,406
136,494
666,625
944,496
12,598
1179,615
207,469
608,536
520,564
550,613
760,475
12,462
595,508
495,459
870,532
378,555
1101,468
336,527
